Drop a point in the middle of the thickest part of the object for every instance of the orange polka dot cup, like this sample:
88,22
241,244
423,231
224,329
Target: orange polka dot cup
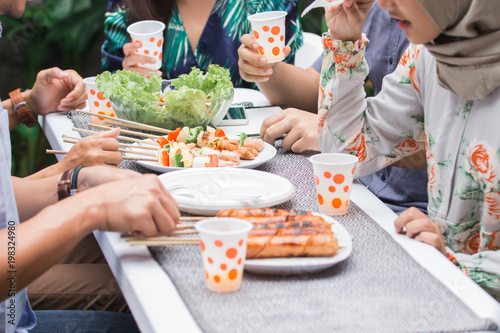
333,176
223,242
97,103
268,28
149,34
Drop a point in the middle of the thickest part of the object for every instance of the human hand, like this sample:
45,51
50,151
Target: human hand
346,21
299,128
253,66
140,205
97,149
100,174
132,61
418,226
56,90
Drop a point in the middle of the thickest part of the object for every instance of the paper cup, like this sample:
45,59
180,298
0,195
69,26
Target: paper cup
223,244
333,175
97,103
269,31
150,34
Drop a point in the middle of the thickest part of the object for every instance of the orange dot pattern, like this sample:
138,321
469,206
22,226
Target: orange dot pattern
334,184
272,38
150,47
230,262
100,104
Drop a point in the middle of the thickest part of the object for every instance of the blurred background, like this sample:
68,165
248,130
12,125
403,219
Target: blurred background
67,34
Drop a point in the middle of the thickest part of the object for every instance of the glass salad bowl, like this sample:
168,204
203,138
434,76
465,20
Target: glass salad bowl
174,108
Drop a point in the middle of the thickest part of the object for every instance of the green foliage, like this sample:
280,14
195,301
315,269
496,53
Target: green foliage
50,33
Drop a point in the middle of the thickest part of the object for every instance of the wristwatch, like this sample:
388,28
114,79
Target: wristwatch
22,109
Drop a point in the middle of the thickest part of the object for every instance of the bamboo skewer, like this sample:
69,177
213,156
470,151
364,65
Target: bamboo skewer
178,241
140,126
119,137
73,140
193,218
133,158
124,131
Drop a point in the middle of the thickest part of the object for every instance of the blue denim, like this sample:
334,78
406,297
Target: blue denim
79,321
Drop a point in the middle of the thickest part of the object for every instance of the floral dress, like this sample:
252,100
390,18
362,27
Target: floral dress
218,44
413,112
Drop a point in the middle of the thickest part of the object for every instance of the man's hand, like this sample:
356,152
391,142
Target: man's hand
253,66
98,149
132,61
418,226
346,21
56,90
298,126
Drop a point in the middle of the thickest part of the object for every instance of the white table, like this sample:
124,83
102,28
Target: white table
153,299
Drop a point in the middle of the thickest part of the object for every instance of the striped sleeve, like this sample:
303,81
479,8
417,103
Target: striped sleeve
115,31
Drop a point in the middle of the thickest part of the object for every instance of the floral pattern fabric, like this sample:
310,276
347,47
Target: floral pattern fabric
411,113
219,41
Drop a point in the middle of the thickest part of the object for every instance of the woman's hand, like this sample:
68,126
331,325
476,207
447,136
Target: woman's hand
56,90
253,66
418,226
132,61
299,128
346,21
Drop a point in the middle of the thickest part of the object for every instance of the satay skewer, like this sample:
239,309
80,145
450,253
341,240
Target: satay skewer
124,131
119,137
73,140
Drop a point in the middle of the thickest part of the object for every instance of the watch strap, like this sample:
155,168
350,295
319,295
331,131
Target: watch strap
64,184
21,108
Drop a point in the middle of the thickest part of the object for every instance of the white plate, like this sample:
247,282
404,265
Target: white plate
205,191
304,265
265,155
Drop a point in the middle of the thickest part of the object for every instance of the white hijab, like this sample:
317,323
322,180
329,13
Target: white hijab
468,50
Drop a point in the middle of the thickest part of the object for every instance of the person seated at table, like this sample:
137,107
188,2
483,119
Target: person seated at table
198,33
107,199
443,97
398,187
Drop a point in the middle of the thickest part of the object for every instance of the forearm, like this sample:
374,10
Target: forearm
292,86
52,170
29,204
14,120
42,241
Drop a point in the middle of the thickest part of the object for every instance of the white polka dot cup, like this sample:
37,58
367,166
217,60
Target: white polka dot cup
269,30
149,34
333,176
97,103
223,242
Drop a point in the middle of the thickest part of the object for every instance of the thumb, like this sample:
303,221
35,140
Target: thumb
55,73
113,133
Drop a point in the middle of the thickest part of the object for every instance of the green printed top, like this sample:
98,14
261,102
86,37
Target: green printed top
218,43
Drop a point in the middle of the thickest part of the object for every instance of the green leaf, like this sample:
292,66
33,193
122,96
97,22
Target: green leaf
470,193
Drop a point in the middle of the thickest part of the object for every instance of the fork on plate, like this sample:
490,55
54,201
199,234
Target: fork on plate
321,3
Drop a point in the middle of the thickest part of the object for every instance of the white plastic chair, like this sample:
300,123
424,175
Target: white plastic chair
310,51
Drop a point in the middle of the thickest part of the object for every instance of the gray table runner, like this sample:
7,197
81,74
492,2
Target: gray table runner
379,288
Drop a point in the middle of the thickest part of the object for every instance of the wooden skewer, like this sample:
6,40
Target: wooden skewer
132,158
193,218
117,123
124,131
139,125
119,137
73,140
162,242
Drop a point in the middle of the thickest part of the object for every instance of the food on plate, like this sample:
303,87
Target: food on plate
285,233
195,148
186,101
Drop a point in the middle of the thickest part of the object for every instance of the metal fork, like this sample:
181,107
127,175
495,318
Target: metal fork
321,3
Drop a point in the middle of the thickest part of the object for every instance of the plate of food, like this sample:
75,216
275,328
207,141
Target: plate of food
292,242
191,148
206,191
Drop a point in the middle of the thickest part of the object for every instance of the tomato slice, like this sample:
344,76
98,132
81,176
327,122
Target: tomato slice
219,133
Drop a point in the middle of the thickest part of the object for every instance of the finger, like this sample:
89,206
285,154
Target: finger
287,50
113,133
108,144
137,60
249,41
270,121
416,227
75,84
144,71
292,138
405,217
130,48
113,158
433,239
